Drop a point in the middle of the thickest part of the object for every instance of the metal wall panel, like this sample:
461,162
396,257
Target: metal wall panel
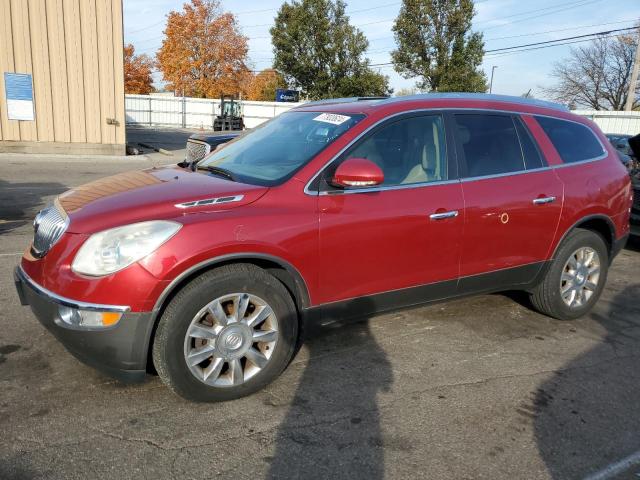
74,51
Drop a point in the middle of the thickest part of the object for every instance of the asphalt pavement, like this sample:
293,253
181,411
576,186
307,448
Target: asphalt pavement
478,388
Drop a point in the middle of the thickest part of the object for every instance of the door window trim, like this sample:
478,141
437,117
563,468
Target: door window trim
452,150
451,159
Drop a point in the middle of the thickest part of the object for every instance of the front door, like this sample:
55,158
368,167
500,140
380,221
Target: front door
512,200
403,233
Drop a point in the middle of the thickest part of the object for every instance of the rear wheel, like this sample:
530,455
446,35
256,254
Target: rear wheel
576,277
226,334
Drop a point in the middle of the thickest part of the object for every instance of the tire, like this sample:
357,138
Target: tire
548,297
210,303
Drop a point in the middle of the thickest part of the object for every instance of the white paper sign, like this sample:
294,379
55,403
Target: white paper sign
333,118
19,93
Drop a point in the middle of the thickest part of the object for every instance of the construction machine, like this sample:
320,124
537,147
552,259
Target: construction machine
231,117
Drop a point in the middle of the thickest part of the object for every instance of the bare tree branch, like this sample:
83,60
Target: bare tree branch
596,76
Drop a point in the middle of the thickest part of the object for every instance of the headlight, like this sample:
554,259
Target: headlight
112,250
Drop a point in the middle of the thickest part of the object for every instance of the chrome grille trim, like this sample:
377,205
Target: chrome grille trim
49,225
210,201
196,150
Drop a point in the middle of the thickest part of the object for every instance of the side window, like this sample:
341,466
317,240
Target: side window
409,151
573,141
532,156
490,144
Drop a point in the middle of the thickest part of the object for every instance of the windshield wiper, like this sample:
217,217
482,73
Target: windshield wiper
221,172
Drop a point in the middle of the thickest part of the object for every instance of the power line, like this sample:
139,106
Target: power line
559,30
505,54
538,45
560,39
562,9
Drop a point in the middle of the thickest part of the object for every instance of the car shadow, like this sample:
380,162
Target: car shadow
19,202
332,428
587,415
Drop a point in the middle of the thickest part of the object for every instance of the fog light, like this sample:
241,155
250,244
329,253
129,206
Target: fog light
87,318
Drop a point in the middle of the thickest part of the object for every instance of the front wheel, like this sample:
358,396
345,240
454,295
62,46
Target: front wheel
226,334
576,277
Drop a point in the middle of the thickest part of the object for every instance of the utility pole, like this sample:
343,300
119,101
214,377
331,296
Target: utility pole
491,82
634,78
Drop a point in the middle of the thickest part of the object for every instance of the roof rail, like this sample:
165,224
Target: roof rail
331,101
481,96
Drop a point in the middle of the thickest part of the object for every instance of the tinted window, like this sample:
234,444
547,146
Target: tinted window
490,144
409,151
272,152
573,141
532,156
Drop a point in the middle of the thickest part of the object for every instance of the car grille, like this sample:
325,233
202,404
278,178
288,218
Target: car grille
196,151
48,226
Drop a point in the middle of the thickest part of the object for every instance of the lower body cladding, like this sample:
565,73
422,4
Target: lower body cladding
119,350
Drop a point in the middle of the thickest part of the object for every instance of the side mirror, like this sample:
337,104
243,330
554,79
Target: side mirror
358,172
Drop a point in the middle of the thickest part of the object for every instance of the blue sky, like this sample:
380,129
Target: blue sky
504,23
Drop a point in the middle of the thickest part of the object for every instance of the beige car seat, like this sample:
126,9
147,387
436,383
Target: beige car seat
428,168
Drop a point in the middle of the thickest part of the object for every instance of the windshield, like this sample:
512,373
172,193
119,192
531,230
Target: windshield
275,150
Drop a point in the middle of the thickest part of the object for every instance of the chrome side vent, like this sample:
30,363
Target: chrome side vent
210,201
48,226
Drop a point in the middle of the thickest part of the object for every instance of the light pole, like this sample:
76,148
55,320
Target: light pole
491,82
634,78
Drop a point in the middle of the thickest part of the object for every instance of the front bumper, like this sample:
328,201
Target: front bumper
119,351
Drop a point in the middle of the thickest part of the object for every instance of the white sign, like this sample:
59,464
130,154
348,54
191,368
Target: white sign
19,92
332,118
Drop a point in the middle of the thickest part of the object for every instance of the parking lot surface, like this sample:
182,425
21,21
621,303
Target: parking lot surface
478,388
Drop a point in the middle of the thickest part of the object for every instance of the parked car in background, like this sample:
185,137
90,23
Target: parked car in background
199,145
621,144
332,210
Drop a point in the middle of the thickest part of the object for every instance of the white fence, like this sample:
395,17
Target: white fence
200,113
193,112
614,122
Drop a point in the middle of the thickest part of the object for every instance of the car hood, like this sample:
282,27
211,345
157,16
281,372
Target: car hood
156,193
214,137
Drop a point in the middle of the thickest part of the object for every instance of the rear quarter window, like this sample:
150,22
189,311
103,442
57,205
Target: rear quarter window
573,141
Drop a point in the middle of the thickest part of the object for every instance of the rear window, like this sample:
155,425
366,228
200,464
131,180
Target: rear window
532,156
490,144
573,141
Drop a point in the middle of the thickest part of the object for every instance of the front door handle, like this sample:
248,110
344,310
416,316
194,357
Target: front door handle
443,215
543,200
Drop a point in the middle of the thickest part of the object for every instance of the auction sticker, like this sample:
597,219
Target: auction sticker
331,118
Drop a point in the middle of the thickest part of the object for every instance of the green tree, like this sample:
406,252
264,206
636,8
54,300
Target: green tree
436,44
318,50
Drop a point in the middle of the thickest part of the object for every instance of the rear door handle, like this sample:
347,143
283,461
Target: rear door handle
443,215
543,200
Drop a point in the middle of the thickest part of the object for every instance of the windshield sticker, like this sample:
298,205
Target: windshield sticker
332,118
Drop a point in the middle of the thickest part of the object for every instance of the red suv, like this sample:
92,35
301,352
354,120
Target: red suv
335,209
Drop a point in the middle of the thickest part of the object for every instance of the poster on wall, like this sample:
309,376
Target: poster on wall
18,88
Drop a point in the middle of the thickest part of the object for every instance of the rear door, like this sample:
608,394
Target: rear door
512,199
404,233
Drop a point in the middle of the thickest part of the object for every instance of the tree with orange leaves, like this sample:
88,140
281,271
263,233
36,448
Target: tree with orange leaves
137,72
203,53
263,86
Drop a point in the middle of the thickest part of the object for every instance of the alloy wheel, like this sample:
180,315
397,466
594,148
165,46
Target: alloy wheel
231,339
580,277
